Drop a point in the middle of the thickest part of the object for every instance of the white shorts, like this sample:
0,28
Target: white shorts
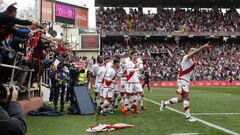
115,88
101,91
123,86
134,88
97,87
107,93
183,87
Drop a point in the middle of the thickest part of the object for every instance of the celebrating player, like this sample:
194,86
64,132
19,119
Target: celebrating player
134,88
108,80
98,81
186,69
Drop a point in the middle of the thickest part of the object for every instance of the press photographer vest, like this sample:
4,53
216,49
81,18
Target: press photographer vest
82,78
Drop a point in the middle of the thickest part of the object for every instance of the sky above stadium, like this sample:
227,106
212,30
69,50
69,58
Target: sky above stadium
21,4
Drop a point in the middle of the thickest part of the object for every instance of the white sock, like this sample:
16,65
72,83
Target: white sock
186,108
140,100
106,105
118,101
135,99
126,103
171,101
130,103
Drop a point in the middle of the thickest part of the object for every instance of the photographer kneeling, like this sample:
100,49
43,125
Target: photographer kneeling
11,113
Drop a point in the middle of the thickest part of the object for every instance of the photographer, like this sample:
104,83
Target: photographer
51,76
84,76
11,114
73,74
60,80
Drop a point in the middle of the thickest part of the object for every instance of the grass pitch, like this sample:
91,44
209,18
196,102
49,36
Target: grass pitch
215,105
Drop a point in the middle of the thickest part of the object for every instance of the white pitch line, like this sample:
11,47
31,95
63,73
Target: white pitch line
200,120
185,134
199,114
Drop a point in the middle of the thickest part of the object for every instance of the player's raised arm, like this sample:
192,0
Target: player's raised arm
196,51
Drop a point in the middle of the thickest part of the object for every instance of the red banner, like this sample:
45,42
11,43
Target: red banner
90,42
198,83
46,10
81,18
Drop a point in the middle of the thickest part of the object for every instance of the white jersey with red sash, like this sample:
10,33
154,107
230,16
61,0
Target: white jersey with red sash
109,64
187,66
184,75
94,71
103,71
124,74
133,82
123,65
133,70
99,79
111,74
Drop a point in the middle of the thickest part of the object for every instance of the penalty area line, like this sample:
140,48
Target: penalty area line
200,120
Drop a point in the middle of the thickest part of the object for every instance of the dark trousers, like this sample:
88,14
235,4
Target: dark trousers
71,92
52,89
147,85
4,71
57,93
68,93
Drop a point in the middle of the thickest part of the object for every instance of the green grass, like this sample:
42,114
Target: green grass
151,121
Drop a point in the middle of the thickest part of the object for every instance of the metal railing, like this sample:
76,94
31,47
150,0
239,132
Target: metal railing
30,91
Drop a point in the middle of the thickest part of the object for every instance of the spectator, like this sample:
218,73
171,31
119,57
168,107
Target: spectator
167,20
224,58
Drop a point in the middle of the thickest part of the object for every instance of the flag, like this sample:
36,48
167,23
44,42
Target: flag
107,128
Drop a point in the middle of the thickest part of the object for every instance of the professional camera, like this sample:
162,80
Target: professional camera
73,73
6,90
5,95
3,92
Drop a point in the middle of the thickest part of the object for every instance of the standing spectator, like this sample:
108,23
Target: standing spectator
51,76
60,78
8,21
147,77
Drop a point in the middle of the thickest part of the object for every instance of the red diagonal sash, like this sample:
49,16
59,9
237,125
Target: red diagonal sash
182,73
109,83
129,76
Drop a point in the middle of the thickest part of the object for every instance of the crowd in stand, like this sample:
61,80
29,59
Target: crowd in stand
168,20
221,62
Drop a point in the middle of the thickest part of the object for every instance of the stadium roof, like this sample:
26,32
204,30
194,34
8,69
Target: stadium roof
169,3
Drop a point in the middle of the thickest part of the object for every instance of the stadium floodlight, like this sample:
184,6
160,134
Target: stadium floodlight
191,36
212,36
233,36
148,36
